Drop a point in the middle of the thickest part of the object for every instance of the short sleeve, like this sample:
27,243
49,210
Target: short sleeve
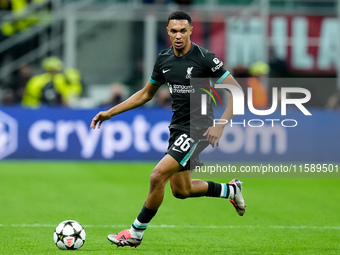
157,77
215,67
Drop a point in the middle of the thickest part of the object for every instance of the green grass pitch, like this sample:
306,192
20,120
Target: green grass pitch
284,216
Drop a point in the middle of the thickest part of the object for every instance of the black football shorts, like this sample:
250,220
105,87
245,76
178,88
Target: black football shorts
185,149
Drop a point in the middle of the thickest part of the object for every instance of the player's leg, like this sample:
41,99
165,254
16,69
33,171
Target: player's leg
188,156
158,179
183,186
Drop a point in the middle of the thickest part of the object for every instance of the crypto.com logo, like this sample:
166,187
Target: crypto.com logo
8,135
238,104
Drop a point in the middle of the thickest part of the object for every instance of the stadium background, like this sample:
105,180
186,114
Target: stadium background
48,151
114,45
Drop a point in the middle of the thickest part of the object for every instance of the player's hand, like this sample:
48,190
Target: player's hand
99,118
214,134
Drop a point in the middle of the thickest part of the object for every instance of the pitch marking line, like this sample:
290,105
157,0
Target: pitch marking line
181,226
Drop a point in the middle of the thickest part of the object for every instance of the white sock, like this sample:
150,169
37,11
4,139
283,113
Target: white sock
137,229
231,191
224,190
136,233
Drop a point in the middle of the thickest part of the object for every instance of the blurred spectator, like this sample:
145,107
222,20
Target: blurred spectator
156,1
163,98
260,96
183,2
118,94
17,22
179,2
278,67
333,101
21,17
57,86
14,91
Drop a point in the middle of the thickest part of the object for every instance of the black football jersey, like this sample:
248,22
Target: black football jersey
188,77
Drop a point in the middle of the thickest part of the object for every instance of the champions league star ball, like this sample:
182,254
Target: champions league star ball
69,235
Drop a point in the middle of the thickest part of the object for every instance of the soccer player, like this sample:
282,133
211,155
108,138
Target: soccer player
175,67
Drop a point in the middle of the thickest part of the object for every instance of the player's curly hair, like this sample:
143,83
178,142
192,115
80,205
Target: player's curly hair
180,15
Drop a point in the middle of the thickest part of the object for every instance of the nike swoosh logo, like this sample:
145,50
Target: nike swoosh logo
166,70
174,149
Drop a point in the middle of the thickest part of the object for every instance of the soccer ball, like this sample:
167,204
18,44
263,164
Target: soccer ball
69,235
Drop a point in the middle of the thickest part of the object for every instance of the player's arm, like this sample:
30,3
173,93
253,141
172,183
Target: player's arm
214,133
139,98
